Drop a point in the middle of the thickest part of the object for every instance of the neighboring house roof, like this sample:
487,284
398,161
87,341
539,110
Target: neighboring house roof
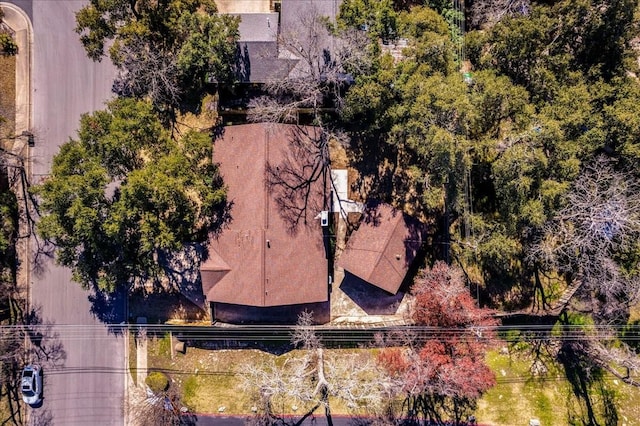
258,259
258,62
309,44
291,11
258,58
258,26
383,247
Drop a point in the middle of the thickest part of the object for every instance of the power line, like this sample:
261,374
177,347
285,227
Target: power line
344,335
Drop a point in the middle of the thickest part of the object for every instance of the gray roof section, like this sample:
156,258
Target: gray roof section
258,26
259,59
258,62
292,10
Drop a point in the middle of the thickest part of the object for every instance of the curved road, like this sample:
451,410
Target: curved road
84,378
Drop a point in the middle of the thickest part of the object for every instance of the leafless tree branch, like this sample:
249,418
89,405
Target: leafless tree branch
315,375
144,71
489,12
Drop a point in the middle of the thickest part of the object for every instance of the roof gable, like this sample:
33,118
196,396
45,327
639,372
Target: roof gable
383,247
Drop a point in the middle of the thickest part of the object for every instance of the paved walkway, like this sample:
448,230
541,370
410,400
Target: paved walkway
141,356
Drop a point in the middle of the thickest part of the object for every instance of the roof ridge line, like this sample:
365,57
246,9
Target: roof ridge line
391,234
386,243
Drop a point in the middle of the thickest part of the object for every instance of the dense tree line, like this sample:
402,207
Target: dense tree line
523,153
492,158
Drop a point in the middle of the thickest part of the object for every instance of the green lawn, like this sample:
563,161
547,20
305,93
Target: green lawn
519,397
209,380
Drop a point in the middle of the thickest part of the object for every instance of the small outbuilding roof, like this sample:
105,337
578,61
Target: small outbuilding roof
383,247
259,259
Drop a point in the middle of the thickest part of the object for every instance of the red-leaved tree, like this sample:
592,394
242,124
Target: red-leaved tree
442,372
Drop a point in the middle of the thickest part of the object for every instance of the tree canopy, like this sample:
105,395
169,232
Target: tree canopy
444,375
165,49
523,152
489,157
124,197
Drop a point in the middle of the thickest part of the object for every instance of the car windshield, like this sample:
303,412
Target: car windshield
27,392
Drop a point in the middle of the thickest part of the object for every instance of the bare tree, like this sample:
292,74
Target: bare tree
598,226
326,64
164,408
313,89
315,376
145,71
488,12
14,167
601,220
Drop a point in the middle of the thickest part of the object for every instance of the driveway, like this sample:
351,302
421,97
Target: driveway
84,363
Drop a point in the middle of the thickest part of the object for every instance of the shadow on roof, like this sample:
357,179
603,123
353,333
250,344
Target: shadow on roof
373,300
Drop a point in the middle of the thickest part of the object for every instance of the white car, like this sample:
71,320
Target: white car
31,384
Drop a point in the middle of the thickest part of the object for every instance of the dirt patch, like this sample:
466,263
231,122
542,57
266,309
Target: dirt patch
204,120
339,158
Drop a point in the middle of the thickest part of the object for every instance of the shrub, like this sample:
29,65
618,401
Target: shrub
8,46
157,382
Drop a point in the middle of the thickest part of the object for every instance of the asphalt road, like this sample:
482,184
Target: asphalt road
84,377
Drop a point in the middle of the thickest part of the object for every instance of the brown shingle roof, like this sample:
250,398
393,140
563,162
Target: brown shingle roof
258,260
382,249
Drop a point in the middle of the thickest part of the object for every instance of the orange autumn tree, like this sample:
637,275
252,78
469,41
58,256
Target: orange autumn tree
442,372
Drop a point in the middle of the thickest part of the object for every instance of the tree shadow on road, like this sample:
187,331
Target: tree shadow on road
33,342
109,308
46,349
40,417
177,295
